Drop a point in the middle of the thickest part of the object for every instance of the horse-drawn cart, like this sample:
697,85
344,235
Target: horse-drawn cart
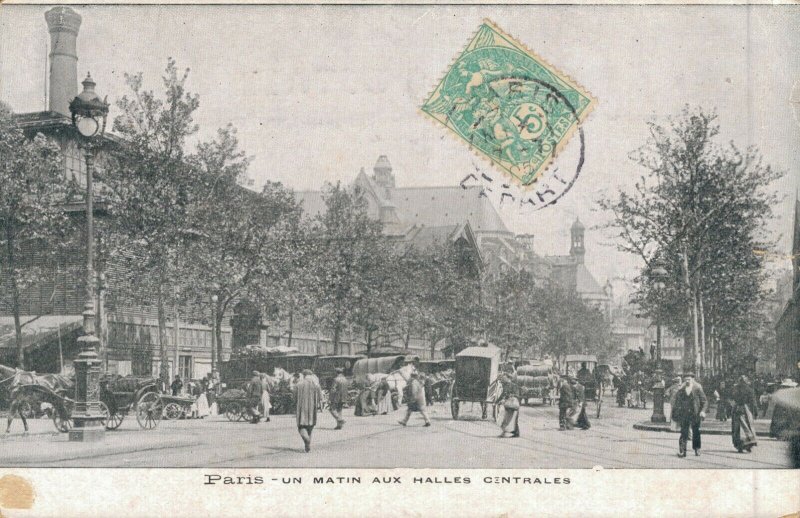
118,397
124,394
476,379
536,381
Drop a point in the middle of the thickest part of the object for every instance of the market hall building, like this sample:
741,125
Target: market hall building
52,309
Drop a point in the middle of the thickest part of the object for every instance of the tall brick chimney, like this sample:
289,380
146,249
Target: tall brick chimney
63,24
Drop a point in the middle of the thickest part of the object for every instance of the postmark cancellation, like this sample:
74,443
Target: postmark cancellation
509,105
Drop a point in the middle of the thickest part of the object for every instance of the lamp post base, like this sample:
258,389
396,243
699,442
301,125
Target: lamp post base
87,418
658,406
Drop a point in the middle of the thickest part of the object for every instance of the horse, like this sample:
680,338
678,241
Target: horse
12,380
373,394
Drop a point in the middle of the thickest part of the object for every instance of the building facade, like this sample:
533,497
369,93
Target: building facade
52,309
787,329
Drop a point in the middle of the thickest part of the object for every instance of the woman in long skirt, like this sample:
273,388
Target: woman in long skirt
744,438
384,396
202,405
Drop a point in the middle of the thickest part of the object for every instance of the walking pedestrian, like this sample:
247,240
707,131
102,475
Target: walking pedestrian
744,398
689,411
338,396
722,402
211,394
415,399
582,421
308,398
254,391
510,401
566,400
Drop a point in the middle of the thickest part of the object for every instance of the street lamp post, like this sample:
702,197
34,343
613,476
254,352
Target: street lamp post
659,275
89,114
214,345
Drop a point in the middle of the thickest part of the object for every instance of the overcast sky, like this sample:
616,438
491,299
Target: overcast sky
319,92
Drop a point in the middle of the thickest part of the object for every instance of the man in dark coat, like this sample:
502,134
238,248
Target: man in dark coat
689,411
566,400
177,385
254,392
338,396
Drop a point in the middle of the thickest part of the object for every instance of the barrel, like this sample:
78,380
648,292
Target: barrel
533,381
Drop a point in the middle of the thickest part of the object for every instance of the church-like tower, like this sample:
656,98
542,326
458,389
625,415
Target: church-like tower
383,173
576,248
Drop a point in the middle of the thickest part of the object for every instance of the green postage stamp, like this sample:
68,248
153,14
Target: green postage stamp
508,103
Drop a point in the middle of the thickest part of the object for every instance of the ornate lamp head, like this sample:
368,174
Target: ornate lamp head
88,111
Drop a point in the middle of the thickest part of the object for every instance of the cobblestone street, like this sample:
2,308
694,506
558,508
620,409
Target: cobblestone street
379,442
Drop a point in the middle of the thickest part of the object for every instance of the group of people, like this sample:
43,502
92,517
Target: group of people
571,405
203,391
689,404
258,395
308,398
631,390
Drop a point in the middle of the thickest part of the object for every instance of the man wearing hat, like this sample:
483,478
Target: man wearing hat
689,411
338,395
415,399
254,393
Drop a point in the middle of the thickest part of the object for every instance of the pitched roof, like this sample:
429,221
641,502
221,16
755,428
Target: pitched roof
425,237
585,281
443,206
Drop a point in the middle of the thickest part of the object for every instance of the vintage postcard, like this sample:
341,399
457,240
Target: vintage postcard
429,260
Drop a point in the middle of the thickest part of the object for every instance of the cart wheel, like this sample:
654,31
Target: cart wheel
233,412
114,420
63,424
173,411
454,407
105,413
149,410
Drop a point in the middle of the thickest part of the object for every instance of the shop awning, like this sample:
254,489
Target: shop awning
37,329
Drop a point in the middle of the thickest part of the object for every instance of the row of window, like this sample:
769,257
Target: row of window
144,334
